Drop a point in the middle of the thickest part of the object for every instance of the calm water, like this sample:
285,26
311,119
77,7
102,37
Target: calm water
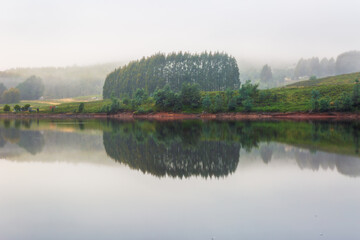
179,180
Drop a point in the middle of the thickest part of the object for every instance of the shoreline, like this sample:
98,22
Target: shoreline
165,116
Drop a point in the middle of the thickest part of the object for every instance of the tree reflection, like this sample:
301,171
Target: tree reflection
175,149
32,141
211,149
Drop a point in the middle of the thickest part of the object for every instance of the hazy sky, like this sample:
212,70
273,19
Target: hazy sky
67,32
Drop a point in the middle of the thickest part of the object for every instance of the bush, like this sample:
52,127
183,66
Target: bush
190,95
206,103
140,96
165,99
346,102
356,94
25,107
248,104
324,104
126,101
17,108
6,108
218,103
115,105
81,107
232,104
315,95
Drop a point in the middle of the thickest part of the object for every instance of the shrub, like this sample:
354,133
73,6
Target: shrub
81,107
25,107
356,94
140,96
218,103
324,104
6,108
232,104
17,108
126,101
206,103
248,104
315,95
190,95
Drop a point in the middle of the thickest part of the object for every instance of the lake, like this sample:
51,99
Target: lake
107,179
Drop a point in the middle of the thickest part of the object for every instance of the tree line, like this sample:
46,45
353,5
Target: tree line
347,62
211,71
31,89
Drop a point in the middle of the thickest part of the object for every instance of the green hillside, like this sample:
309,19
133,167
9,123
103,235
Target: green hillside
333,80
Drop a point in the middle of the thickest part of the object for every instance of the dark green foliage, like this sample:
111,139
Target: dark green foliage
356,94
165,99
190,95
140,96
232,104
248,90
25,107
81,108
206,103
126,101
218,103
228,93
324,104
315,95
11,96
115,106
17,108
312,78
248,104
31,89
265,96
6,108
216,71
345,102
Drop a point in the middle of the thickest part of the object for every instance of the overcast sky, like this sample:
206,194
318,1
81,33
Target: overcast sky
68,32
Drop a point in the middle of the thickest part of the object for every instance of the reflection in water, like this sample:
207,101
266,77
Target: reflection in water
193,148
31,141
177,150
182,149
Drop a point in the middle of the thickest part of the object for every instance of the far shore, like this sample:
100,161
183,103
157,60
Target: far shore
165,116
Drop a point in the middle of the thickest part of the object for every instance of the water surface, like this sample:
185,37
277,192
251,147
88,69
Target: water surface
99,179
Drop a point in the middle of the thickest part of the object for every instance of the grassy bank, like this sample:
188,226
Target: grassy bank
292,98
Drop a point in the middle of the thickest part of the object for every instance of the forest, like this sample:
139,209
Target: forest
211,71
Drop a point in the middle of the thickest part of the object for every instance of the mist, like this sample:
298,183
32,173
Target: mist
62,33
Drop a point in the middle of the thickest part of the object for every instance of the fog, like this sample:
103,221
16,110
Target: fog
58,33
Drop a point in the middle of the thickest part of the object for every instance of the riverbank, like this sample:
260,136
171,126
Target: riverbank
164,116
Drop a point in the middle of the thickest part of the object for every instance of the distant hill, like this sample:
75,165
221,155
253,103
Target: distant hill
63,82
333,80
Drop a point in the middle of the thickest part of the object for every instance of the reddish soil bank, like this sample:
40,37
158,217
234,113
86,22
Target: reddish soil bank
163,116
